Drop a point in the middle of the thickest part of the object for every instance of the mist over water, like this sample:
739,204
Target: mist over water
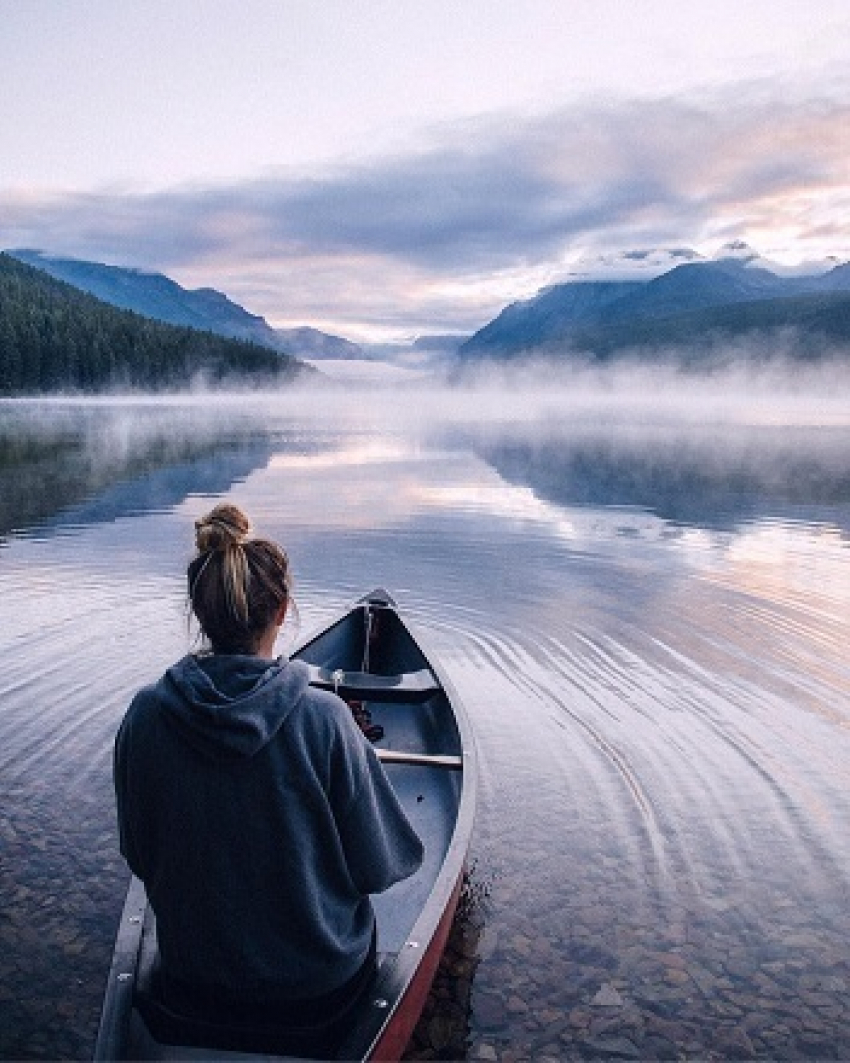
640,585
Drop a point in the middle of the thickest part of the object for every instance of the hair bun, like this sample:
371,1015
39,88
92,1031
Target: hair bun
224,526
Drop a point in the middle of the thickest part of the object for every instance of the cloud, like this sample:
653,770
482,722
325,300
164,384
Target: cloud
438,236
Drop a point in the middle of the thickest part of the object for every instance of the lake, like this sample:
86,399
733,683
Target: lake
643,599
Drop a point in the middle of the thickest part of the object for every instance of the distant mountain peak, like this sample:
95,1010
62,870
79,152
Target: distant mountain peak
738,251
636,264
309,342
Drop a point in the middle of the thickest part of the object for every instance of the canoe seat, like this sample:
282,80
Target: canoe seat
217,1029
168,1027
366,686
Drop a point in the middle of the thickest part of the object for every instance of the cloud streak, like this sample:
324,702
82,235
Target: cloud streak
439,237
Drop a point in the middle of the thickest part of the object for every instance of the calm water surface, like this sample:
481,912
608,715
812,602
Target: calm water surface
647,618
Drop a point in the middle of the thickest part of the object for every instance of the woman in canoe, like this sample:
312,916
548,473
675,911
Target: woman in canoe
252,808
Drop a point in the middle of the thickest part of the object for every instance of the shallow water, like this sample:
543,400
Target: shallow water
645,615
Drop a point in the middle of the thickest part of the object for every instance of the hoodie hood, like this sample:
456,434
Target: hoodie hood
232,704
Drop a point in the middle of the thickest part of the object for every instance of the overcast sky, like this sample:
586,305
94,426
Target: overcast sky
385,169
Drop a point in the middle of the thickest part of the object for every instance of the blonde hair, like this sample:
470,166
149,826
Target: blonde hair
237,583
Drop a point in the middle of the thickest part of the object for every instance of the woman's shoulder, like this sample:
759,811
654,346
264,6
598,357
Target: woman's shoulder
326,714
317,704
148,700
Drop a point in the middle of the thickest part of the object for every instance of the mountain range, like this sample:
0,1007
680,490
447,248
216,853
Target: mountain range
55,337
159,297
696,312
692,307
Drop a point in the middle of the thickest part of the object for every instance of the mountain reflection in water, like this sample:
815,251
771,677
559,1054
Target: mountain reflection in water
698,479
648,625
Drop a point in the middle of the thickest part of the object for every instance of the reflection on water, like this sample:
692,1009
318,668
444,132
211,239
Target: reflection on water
698,478
89,463
649,631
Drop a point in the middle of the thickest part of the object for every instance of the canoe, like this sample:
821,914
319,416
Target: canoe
369,655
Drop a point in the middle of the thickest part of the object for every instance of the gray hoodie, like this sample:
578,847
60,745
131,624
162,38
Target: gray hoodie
260,820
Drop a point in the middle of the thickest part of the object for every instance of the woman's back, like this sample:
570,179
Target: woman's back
260,820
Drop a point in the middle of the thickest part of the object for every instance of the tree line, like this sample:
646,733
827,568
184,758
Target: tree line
54,337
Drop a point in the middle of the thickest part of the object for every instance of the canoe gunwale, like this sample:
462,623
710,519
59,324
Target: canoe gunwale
121,982
394,983
387,998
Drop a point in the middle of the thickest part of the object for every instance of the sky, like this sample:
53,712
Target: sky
383,169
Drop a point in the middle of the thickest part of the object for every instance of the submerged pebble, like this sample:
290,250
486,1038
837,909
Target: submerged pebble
687,988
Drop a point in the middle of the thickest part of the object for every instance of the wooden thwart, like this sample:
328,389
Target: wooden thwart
425,760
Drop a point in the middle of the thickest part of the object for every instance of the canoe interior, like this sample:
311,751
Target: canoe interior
430,796
389,649
413,916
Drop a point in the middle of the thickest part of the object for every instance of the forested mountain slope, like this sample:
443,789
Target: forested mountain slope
54,337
